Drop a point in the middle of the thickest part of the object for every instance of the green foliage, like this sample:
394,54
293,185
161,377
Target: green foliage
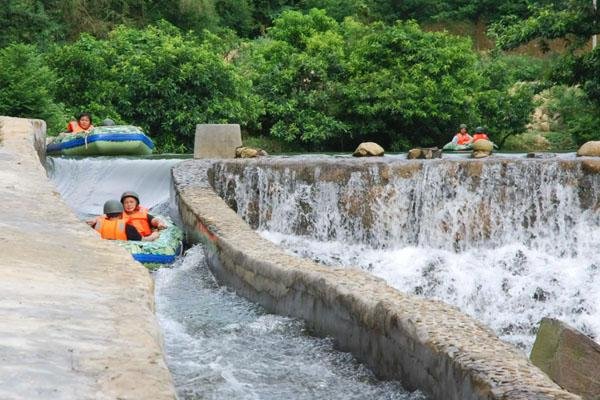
27,86
576,19
156,78
505,103
25,21
580,116
335,84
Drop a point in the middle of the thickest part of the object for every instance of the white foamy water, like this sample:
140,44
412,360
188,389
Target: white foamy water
508,242
220,346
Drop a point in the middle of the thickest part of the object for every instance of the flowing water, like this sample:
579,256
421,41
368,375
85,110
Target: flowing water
508,242
218,345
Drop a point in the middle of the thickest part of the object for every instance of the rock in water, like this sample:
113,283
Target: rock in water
589,149
368,149
483,145
249,152
569,357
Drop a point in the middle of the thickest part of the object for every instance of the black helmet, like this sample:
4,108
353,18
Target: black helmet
130,194
108,122
479,129
463,126
113,207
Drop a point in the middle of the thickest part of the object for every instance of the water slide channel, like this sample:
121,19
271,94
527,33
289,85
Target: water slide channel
218,345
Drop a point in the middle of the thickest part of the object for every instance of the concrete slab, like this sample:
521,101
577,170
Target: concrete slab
217,140
76,312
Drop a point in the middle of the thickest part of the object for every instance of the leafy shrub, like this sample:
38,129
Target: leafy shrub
157,78
580,116
27,86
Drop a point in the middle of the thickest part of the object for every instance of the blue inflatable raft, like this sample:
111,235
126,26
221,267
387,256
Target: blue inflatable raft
103,141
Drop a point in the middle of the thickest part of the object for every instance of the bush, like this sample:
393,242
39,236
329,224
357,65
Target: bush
326,83
580,116
157,78
27,86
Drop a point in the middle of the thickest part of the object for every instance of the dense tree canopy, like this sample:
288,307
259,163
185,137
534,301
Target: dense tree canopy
315,74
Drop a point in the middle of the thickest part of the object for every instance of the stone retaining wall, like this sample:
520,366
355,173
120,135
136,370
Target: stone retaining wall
76,312
426,344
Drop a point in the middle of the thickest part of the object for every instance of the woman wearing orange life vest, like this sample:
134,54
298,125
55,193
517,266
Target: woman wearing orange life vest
112,226
139,217
480,134
83,124
462,137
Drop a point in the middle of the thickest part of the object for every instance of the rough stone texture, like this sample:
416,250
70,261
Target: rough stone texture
249,152
426,153
481,154
76,312
368,149
590,149
425,343
217,140
569,357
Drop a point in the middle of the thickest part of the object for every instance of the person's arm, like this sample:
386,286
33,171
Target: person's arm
455,139
132,233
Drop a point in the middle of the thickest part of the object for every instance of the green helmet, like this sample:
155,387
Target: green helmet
130,194
479,129
108,122
463,126
113,207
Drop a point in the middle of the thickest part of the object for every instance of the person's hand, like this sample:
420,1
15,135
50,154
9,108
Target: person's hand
161,225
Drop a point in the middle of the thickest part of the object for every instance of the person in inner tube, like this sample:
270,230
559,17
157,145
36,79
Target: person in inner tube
462,137
83,124
112,226
139,217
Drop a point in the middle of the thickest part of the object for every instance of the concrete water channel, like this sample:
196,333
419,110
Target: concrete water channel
81,320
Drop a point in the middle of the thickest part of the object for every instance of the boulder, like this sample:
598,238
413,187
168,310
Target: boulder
570,358
368,149
589,149
424,153
249,152
483,145
414,153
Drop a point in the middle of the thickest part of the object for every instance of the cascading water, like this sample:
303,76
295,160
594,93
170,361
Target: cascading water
507,241
218,345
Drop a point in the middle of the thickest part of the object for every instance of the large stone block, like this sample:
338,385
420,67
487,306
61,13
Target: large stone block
569,357
217,140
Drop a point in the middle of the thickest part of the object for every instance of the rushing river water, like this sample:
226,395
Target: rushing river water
218,345
508,242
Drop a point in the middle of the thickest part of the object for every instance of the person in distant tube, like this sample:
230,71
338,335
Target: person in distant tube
480,134
83,124
462,137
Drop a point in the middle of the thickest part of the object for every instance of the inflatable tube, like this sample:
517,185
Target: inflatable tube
104,141
457,147
163,250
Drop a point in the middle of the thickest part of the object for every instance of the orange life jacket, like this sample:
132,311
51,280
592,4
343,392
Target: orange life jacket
74,127
463,139
111,229
139,219
479,136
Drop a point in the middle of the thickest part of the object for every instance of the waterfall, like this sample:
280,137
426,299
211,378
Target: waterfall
508,241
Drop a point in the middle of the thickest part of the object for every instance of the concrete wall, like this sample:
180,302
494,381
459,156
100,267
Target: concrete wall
76,312
426,344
